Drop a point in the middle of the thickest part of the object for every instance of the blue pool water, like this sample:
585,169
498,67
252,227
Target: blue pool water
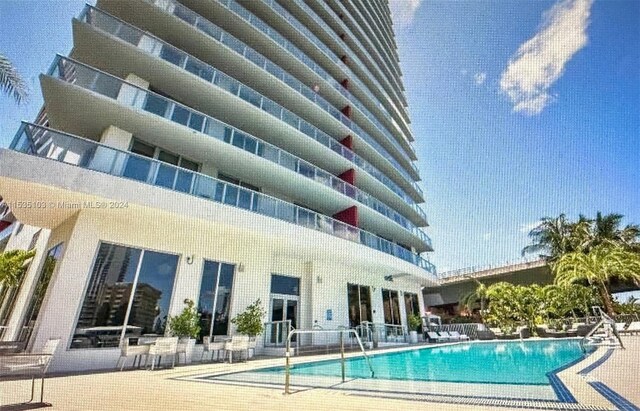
511,362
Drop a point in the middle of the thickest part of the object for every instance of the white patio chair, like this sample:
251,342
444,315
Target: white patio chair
237,343
30,364
164,346
183,344
211,346
135,351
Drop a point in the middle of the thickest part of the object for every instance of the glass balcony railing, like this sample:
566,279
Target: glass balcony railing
128,94
362,48
173,55
53,145
390,57
393,139
216,33
277,37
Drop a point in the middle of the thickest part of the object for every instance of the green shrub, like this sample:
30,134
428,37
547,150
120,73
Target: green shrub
187,324
250,322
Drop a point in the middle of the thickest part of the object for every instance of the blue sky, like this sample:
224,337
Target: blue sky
489,172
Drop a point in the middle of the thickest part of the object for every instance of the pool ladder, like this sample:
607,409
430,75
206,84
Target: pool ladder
341,332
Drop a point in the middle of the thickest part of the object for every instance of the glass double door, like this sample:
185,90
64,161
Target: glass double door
283,308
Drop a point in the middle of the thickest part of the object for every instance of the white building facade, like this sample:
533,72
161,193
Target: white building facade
221,151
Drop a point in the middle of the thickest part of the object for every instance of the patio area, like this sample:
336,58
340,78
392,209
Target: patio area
166,389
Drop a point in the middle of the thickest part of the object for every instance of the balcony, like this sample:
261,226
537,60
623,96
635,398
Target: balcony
205,27
404,139
243,13
56,146
373,54
127,94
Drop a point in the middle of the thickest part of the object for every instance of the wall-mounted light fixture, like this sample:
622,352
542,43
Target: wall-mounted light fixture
319,280
190,259
240,267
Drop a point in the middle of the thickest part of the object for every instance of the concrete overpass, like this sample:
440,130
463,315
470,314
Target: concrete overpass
457,283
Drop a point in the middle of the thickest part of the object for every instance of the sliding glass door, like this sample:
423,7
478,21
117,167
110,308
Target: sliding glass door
391,307
359,297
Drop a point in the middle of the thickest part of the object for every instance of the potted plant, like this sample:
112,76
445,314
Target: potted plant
250,322
186,326
415,326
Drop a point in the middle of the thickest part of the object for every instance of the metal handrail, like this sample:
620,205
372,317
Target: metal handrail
341,332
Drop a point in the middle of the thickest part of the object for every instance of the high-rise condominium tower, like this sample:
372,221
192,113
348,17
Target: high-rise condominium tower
221,151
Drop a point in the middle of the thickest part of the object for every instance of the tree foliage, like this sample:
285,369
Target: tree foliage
12,266
250,322
11,82
187,323
512,305
598,267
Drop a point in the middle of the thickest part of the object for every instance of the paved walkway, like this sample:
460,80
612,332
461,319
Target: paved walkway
621,372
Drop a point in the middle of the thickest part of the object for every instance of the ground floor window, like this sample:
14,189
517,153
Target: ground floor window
214,302
411,304
42,284
127,286
391,307
359,297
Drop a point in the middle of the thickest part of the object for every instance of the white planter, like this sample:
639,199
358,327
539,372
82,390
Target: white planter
413,337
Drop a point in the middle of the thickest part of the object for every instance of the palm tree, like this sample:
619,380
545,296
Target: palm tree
554,237
10,80
470,299
603,263
607,229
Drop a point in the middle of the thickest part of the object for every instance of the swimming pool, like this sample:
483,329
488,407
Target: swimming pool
508,362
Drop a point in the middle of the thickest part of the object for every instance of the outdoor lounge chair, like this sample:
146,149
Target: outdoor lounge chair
211,346
434,337
238,343
164,346
135,351
633,328
620,327
582,330
460,337
485,335
448,336
30,364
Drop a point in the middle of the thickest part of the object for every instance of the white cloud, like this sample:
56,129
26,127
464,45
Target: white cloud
487,236
540,61
403,11
480,78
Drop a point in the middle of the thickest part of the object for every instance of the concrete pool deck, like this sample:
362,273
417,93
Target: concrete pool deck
177,389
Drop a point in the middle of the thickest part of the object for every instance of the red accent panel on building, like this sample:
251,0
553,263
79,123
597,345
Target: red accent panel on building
349,176
345,83
349,216
5,224
346,110
347,142
345,59
342,36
